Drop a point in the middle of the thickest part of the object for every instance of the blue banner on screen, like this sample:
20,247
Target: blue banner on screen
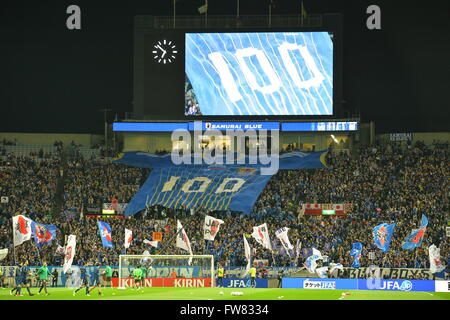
244,283
274,73
222,126
396,285
320,126
215,189
320,283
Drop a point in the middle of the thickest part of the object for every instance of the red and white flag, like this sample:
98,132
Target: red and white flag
152,243
282,235
69,252
211,227
261,235
436,265
21,229
183,240
128,238
248,254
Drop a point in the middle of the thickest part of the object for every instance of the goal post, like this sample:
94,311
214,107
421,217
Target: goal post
167,270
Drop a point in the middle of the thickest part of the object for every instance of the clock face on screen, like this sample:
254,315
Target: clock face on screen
164,51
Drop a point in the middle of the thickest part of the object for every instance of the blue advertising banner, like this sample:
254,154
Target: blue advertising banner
319,283
244,283
396,285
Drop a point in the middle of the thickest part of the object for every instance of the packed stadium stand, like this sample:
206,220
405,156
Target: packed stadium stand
384,183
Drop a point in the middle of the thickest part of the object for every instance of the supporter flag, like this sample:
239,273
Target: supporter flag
211,227
322,272
21,229
69,252
128,238
310,262
356,253
145,260
3,254
261,235
382,235
298,248
152,243
59,250
436,264
282,235
248,254
105,234
183,240
43,234
335,266
114,203
414,240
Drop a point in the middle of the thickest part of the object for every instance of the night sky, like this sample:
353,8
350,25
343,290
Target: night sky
55,80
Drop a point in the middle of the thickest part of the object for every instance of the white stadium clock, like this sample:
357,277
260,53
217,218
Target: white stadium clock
164,51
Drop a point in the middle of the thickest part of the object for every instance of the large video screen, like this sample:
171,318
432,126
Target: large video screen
259,74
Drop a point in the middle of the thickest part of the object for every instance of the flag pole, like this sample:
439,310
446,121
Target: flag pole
14,245
174,11
206,14
270,15
237,12
301,14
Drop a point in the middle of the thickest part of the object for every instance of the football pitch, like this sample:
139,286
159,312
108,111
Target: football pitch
215,294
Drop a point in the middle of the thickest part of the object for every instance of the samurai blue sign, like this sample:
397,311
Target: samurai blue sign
237,126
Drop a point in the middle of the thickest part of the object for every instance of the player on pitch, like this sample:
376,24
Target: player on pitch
43,274
137,275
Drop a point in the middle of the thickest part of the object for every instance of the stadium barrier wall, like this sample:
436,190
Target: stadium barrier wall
165,282
442,286
244,283
319,283
359,284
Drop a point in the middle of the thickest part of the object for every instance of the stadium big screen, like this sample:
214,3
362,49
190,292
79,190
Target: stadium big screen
262,74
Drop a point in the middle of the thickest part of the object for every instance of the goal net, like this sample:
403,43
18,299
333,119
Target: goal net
166,270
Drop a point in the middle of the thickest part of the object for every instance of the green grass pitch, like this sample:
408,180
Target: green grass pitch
214,294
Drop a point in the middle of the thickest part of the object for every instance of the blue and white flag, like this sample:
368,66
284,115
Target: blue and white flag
382,235
356,253
43,234
415,239
105,234
310,262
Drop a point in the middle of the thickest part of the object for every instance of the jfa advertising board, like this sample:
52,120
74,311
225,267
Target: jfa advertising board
244,283
396,285
359,284
320,283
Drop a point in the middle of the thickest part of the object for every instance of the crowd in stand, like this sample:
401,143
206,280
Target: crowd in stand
383,183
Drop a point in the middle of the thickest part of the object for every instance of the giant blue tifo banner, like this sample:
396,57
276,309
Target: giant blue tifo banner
287,161
216,187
